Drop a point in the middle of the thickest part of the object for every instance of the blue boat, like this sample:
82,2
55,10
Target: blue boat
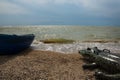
12,44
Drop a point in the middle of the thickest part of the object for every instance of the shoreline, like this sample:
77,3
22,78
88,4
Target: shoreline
44,65
75,46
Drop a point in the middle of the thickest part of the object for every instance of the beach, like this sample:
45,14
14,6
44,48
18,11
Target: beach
43,65
54,51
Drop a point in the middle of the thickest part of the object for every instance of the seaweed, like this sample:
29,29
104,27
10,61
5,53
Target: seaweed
60,40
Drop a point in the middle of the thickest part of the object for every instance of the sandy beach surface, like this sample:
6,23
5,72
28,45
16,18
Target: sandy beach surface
43,65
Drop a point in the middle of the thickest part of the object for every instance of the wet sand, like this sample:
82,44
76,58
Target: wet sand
43,65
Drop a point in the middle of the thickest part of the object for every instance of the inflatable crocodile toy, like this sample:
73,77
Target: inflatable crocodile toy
105,61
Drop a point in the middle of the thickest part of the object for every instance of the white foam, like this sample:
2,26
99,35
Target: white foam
74,47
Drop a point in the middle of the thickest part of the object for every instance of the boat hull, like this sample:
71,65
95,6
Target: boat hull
12,44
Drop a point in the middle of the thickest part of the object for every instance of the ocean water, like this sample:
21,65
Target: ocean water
77,33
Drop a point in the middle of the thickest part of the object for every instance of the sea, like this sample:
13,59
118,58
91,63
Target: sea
84,36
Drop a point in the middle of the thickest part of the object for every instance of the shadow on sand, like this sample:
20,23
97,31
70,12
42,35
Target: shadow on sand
6,58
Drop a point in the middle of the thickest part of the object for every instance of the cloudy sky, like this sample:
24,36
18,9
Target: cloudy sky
60,12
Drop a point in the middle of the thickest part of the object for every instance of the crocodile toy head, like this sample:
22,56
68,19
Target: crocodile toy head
90,53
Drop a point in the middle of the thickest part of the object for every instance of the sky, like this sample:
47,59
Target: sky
60,12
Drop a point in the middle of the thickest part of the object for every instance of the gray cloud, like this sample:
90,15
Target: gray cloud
94,7
11,8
